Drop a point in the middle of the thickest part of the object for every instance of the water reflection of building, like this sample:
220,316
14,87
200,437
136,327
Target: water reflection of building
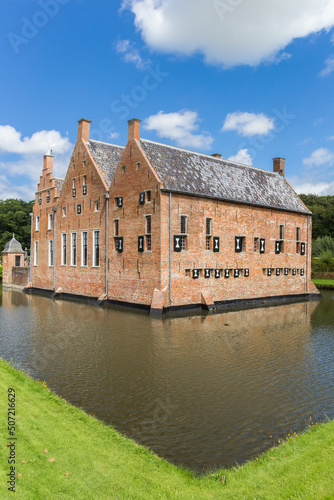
160,227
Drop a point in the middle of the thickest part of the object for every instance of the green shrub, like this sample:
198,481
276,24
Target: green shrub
0,272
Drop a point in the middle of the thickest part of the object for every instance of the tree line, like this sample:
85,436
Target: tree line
15,218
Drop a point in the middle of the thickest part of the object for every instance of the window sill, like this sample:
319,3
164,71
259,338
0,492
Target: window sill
96,267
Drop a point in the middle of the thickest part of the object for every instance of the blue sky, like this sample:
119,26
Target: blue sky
250,79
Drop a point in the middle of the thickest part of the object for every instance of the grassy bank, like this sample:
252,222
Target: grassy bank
61,452
323,282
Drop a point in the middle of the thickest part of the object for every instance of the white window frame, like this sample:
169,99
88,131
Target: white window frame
37,222
82,248
36,253
51,253
64,211
50,220
96,262
74,260
63,249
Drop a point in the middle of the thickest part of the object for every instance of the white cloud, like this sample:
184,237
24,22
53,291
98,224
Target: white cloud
11,141
329,66
179,127
331,138
248,124
19,177
332,39
114,135
320,188
242,156
131,54
229,32
321,156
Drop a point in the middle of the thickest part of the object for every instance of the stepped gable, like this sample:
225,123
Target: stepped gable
107,157
193,173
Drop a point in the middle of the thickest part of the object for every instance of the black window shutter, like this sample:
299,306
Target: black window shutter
236,273
294,272
278,247
217,273
278,272
269,272
227,273
195,274
302,272
142,198
302,249
246,273
120,244
177,243
140,243
216,244
120,201
238,244
262,245
207,273
286,271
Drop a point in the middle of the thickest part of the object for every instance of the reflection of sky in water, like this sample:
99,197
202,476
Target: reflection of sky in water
200,390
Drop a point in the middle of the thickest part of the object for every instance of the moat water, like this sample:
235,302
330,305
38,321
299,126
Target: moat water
203,391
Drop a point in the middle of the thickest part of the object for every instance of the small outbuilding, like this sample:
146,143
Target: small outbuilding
13,256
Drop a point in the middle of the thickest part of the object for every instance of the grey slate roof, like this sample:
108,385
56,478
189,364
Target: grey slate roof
59,184
13,246
106,157
198,174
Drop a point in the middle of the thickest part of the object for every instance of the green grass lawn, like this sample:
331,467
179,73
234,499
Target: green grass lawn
61,453
323,282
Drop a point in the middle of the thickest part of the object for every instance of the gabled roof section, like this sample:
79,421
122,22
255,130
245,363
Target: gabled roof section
107,157
192,173
58,184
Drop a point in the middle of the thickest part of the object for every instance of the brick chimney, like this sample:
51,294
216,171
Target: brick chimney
134,129
279,166
216,155
83,129
48,162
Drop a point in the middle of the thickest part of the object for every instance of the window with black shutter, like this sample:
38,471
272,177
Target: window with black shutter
239,244
302,272
79,209
48,197
302,249
74,191
294,272
207,273
177,243
217,273
286,271
278,247
227,273
119,244
216,244
269,272
119,201
278,272
140,243
195,274
142,198
236,273
262,245
246,273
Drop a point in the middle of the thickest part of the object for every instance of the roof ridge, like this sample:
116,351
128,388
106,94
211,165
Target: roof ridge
107,143
214,158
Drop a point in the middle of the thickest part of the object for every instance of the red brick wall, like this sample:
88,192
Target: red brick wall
20,276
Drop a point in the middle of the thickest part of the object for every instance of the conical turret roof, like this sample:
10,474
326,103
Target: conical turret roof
13,246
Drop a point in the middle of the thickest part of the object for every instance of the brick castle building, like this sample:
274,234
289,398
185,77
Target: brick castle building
160,227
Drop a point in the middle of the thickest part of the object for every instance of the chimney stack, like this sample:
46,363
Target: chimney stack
279,166
134,129
48,163
83,129
216,155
